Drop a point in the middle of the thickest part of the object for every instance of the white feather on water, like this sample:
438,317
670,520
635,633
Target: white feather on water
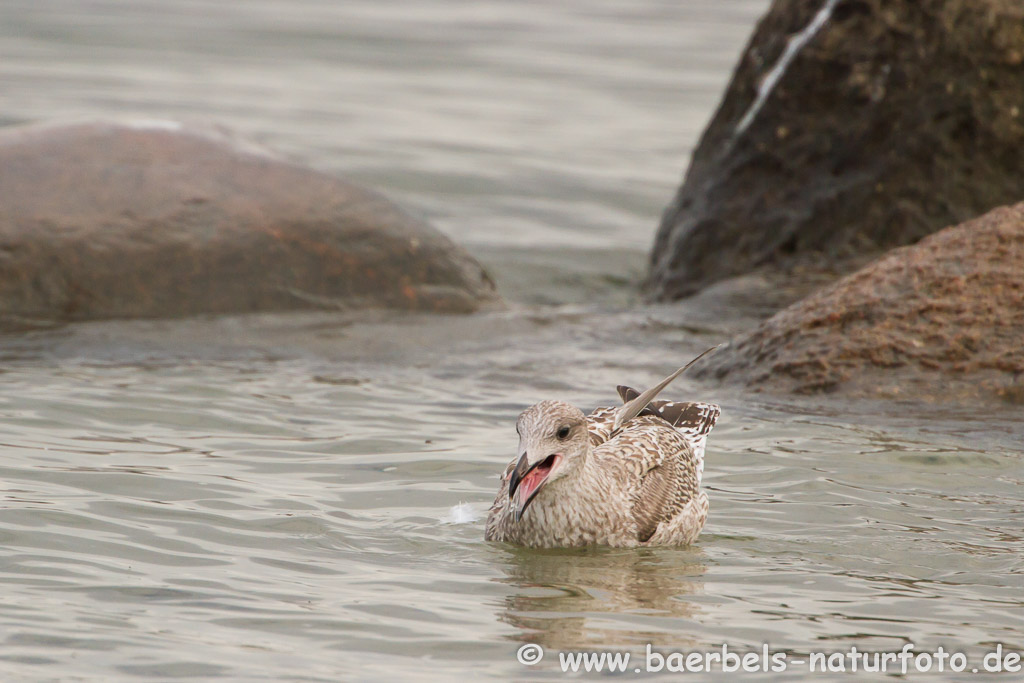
463,513
796,43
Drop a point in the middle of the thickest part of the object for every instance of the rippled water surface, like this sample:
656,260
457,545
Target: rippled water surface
273,497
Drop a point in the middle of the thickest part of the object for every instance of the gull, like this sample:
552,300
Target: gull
624,477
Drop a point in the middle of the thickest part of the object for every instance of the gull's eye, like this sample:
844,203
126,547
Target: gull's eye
562,433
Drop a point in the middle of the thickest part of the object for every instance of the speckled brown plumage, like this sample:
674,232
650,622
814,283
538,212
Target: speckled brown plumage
635,485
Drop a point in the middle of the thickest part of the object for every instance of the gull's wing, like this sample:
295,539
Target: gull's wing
664,492
693,420
661,463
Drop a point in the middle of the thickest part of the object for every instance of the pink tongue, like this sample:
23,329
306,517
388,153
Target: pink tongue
530,483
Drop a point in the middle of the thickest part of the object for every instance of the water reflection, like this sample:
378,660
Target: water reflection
559,598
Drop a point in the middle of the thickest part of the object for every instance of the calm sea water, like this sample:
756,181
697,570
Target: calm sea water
271,497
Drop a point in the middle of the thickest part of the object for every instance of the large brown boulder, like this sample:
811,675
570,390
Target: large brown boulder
940,321
893,119
154,220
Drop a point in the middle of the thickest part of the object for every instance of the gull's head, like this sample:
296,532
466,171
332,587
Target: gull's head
553,441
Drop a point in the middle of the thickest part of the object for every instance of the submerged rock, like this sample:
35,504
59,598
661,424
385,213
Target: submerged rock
850,127
154,220
940,321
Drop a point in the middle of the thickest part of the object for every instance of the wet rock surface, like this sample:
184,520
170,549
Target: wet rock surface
938,321
894,119
153,220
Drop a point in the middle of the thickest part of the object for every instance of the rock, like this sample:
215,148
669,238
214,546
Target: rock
894,119
939,321
152,220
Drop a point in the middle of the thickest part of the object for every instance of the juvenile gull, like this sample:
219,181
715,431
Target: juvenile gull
625,477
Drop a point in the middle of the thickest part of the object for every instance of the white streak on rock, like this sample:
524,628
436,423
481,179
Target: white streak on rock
153,124
796,43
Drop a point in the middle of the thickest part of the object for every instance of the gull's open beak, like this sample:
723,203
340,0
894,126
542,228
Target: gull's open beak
522,467
526,480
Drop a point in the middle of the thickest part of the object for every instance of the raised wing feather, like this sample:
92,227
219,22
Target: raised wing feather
635,406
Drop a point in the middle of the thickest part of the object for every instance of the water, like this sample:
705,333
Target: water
271,497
